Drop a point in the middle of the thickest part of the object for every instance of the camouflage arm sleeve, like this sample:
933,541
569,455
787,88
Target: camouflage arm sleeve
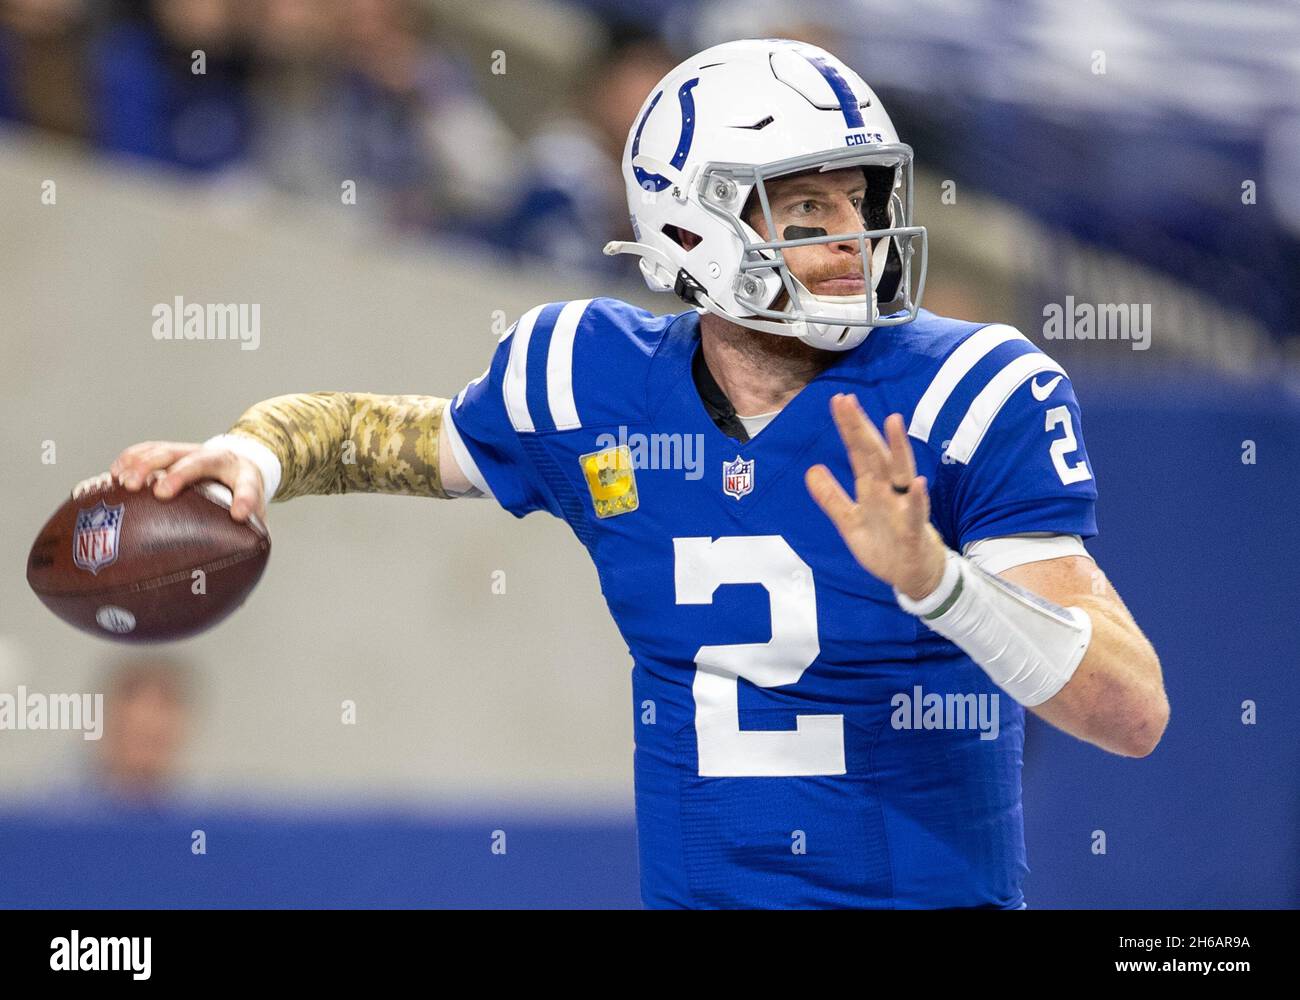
350,442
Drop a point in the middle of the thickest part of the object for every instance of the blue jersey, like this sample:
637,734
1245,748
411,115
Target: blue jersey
800,739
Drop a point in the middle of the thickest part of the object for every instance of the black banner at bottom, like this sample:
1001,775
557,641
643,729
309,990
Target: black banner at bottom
374,947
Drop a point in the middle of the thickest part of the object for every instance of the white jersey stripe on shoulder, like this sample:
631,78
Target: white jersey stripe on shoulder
985,407
559,366
968,354
515,385
463,458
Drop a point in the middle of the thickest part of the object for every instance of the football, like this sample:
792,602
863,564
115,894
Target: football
131,567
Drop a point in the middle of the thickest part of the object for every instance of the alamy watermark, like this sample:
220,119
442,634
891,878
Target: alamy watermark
683,452
76,953
181,320
1129,321
954,710
32,710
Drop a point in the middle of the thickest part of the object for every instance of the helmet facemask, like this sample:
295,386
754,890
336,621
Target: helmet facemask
886,249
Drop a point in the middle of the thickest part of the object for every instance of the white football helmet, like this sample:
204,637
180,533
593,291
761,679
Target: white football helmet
714,130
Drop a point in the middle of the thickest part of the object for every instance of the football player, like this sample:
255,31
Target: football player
836,628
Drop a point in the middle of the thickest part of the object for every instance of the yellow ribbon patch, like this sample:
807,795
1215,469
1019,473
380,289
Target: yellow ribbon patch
611,480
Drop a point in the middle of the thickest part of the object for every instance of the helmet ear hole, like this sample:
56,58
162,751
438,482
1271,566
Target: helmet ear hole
684,238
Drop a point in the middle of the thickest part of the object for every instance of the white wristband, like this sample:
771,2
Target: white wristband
1029,646
257,453
928,604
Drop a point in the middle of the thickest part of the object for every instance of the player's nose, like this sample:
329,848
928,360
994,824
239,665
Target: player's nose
849,222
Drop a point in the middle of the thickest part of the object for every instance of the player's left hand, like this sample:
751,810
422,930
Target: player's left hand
887,527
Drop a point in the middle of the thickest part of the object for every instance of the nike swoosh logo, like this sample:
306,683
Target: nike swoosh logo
1041,392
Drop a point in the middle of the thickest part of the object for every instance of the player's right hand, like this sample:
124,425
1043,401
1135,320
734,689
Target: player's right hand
169,466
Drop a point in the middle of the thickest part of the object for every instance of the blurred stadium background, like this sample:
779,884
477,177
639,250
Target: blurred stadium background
1116,153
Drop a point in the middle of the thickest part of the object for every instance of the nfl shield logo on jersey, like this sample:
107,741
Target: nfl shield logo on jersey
737,477
95,538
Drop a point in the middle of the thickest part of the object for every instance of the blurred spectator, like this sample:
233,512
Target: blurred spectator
355,90
41,64
409,120
149,98
572,200
297,45
146,723
134,766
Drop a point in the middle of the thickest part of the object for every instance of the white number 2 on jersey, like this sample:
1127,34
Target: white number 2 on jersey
1061,447
816,746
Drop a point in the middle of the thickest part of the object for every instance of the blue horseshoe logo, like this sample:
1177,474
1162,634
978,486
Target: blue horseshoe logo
657,182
